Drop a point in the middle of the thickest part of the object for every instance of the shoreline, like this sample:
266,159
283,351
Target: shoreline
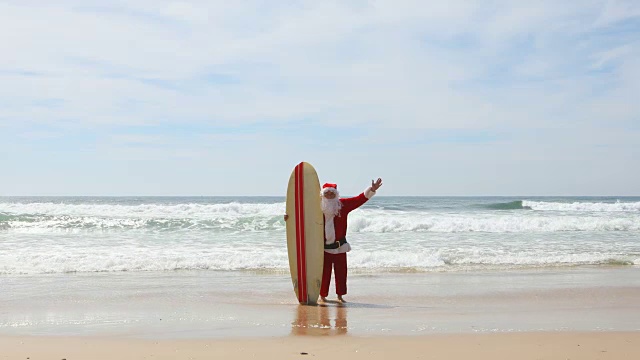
526,345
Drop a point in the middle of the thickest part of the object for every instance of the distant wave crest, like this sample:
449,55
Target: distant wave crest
582,206
512,205
566,206
494,223
248,217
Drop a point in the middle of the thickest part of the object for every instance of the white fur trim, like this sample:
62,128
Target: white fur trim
329,189
369,193
329,230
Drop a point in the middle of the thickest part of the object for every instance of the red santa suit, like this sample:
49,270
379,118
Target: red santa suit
336,246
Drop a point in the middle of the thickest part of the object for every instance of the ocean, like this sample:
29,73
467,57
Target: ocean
207,267
44,235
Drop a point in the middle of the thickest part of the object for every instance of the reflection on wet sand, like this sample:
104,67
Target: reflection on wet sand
323,320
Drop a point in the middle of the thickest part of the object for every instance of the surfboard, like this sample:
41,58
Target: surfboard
305,233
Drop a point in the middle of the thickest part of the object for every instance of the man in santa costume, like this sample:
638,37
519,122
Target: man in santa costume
336,246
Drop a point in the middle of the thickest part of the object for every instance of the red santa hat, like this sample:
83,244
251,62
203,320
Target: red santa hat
329,187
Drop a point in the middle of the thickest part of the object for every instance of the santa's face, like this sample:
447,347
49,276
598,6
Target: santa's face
329,195
330,204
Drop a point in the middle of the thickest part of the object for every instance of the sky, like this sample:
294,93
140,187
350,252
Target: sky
224,98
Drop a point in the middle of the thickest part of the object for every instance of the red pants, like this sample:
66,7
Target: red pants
339,263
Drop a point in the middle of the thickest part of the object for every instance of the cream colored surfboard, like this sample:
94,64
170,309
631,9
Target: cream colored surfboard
305,233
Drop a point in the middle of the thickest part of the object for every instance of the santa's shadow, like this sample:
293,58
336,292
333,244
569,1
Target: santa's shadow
355,305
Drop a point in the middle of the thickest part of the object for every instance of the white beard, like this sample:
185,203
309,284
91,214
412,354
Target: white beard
331,207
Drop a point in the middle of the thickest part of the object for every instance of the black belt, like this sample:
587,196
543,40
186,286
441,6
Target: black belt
336,244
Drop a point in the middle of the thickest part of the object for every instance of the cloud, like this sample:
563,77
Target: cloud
392,74
297,61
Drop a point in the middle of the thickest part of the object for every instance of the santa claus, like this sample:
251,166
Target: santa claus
336,246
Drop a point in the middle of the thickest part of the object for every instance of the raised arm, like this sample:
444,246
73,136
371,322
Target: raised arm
353,203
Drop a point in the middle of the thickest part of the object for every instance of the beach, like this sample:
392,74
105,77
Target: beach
582,313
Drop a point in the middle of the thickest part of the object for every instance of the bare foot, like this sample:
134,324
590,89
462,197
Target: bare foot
341,299
323,299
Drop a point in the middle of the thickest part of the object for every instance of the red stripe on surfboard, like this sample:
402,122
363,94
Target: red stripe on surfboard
297,192
299,219
300,236
303,238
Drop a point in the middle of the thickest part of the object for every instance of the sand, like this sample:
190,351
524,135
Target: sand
545,345
564,314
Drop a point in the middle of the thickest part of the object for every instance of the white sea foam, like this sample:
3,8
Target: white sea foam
43,217
131,258
45,225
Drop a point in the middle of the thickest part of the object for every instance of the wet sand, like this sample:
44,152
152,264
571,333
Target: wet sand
581,313
193,305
